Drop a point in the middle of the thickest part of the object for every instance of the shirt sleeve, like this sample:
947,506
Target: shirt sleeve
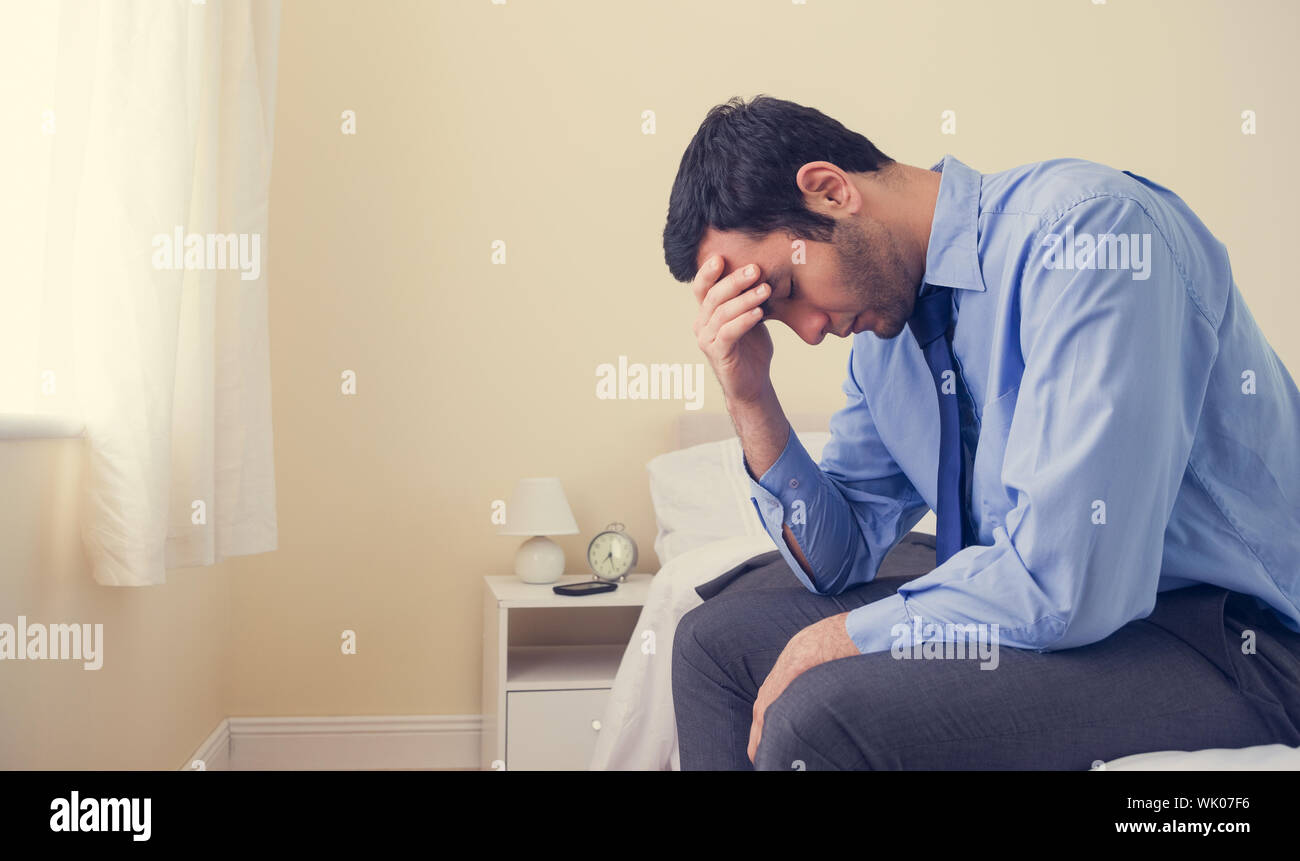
1116,366
848,513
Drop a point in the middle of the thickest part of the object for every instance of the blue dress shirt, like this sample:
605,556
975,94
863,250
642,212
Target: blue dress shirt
1133,431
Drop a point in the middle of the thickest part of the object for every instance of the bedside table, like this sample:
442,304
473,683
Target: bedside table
548,665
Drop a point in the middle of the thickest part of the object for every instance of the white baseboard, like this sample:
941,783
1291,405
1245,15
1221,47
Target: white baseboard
362,742
214,753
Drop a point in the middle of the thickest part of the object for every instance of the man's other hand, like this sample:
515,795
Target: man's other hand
823,641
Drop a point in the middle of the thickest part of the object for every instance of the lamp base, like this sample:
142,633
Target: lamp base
539,560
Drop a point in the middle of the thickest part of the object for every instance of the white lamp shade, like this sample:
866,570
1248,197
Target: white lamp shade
538,507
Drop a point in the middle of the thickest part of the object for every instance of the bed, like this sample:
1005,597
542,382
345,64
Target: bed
701,537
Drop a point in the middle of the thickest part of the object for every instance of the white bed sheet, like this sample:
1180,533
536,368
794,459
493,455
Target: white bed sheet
1264,757
639,730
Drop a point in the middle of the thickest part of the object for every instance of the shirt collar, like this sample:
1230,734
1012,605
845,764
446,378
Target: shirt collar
952,256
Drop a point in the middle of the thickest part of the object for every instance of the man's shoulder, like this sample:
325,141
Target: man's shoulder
1080,192
1048,189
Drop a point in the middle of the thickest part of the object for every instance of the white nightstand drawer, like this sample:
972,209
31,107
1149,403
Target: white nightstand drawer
552,730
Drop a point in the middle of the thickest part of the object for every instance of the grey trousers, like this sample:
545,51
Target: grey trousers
1176,680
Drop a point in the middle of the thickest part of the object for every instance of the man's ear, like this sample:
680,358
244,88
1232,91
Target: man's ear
827,190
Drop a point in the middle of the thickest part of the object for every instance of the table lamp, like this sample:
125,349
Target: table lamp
539,508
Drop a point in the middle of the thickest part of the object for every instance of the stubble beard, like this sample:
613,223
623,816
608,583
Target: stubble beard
872,267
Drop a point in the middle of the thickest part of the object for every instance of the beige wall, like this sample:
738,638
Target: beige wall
522,122
161,688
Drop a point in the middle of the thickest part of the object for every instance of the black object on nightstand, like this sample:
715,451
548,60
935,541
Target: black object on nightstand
591,587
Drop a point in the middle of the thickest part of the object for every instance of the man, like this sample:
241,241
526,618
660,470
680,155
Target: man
1054,358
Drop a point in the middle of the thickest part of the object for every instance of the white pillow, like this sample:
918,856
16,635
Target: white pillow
701,494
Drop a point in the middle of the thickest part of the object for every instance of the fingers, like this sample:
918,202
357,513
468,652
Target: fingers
732,308
705,277
724,338
722,312
710,294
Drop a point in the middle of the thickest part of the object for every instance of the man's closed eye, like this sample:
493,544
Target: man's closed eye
767,306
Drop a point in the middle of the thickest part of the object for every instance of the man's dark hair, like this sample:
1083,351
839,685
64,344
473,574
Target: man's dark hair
738,173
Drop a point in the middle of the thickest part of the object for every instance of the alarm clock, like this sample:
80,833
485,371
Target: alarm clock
611,554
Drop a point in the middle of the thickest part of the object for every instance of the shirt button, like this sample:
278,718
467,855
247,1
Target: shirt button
794,482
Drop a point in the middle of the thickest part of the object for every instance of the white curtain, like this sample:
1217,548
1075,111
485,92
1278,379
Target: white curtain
145,120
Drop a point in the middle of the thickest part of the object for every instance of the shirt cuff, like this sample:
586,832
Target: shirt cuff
787,481
880,625
794,474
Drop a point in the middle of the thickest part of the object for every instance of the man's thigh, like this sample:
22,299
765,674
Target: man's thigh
724,649
744,628
1141,689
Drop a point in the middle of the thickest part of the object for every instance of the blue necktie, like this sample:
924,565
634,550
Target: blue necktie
930,323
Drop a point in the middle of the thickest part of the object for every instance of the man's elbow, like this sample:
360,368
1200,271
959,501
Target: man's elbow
822,584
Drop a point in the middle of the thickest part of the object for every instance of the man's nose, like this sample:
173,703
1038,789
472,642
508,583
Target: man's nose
813,329
810,326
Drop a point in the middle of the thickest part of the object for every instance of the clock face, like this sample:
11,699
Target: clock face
611,555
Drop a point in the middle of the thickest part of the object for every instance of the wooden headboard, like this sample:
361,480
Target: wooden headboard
695,428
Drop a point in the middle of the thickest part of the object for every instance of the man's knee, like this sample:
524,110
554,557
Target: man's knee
821,722
695,639
794,729
727,636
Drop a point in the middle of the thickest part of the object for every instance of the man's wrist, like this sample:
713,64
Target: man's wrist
760,404
763,430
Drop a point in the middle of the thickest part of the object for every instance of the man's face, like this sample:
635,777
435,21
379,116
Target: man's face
859,280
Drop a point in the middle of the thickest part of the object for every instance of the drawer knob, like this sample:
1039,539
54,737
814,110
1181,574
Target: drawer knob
595,725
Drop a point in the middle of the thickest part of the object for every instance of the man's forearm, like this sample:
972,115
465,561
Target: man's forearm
764,431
